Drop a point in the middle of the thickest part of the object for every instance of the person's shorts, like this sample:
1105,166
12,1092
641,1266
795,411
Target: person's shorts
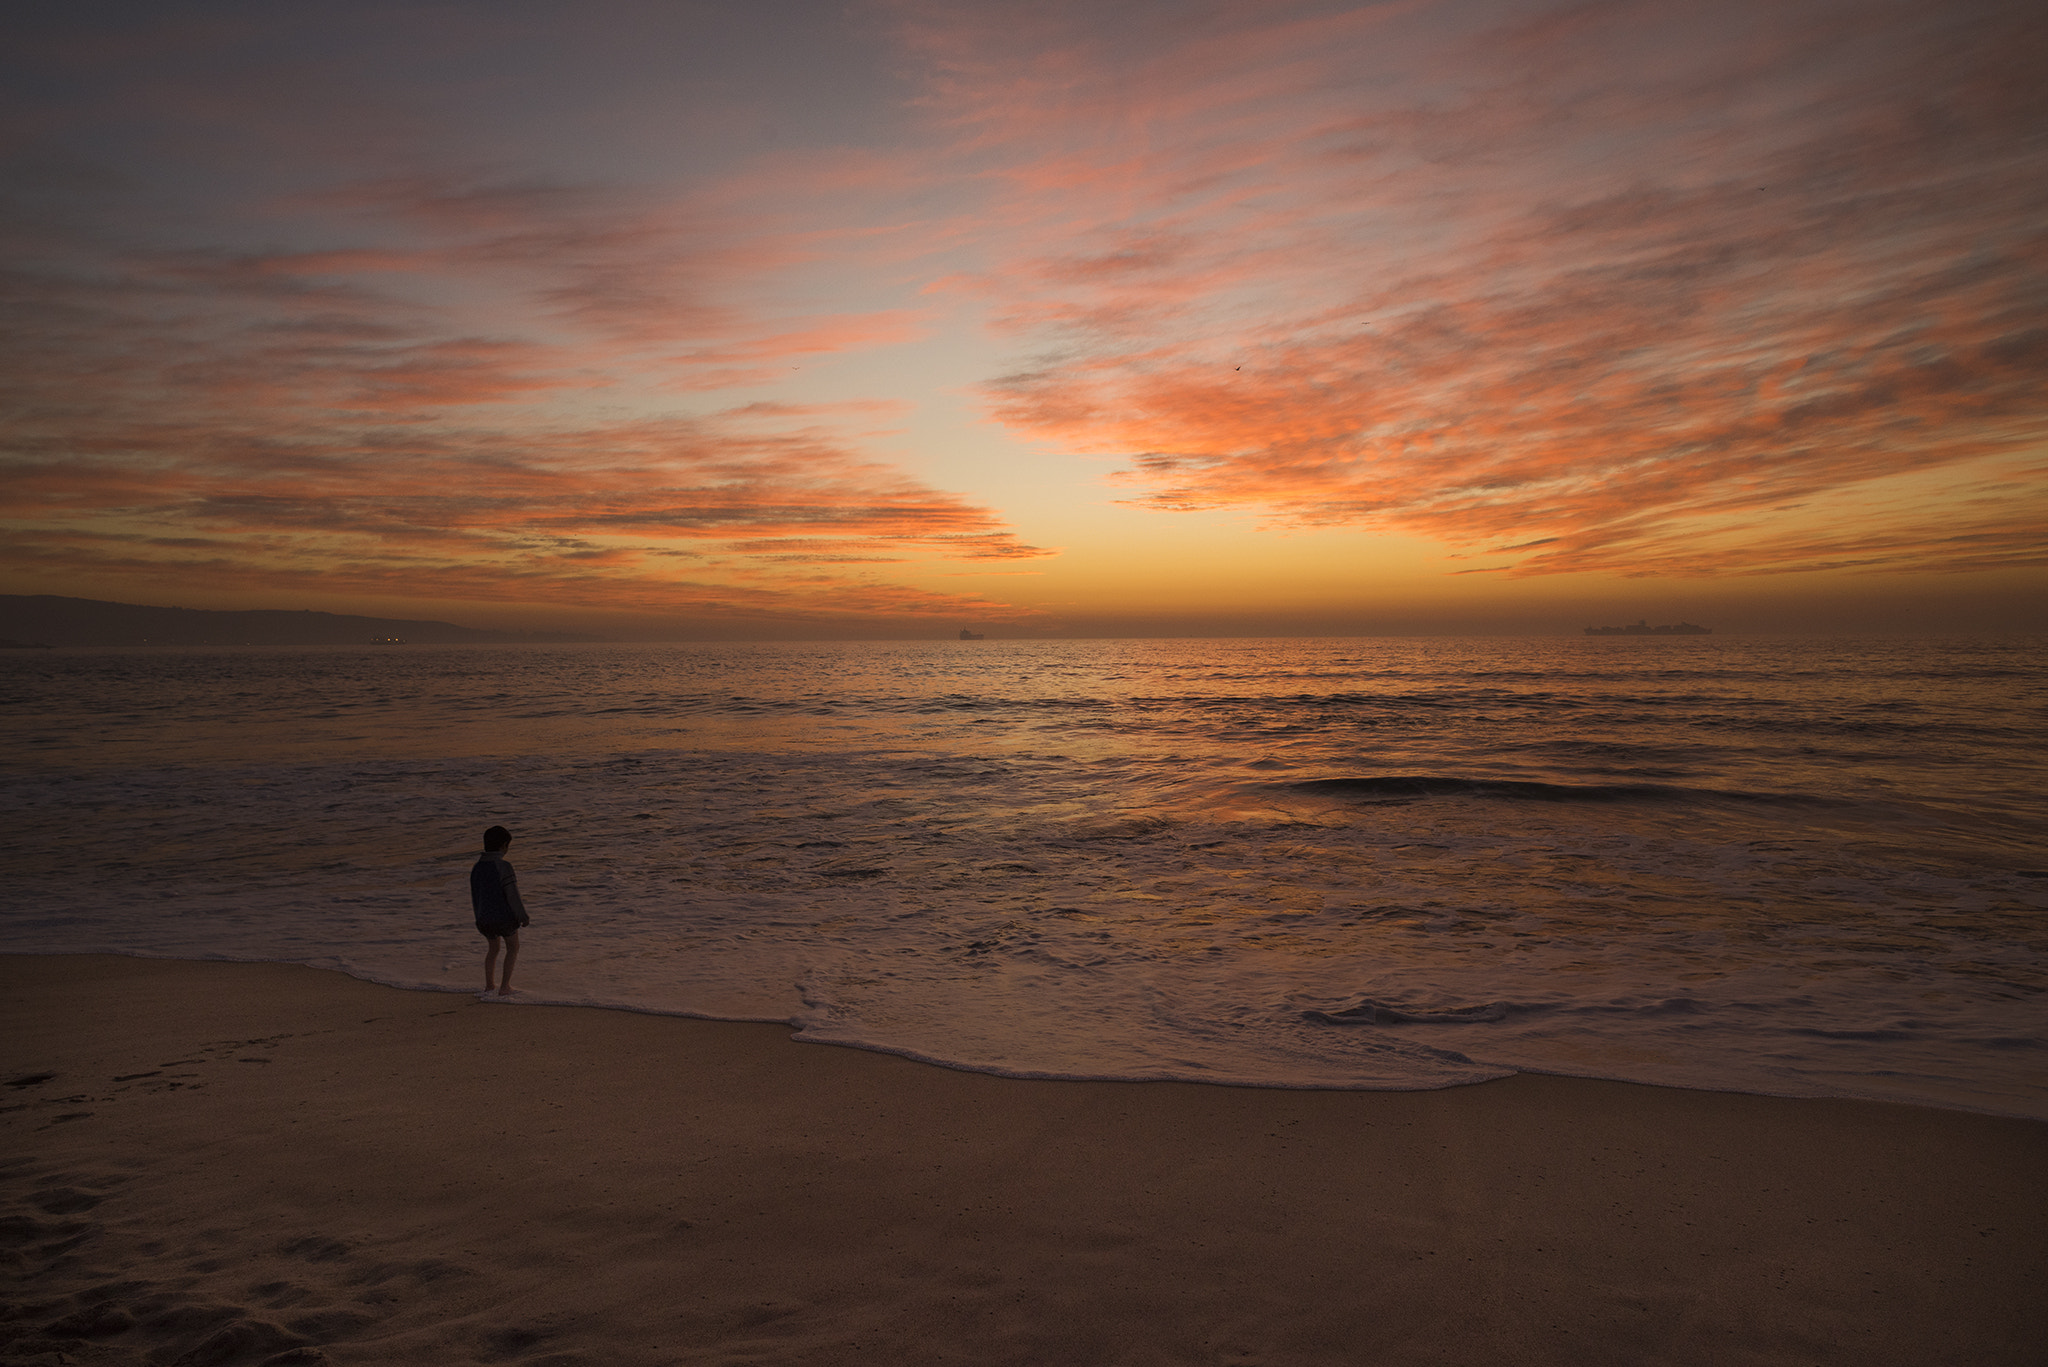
497,928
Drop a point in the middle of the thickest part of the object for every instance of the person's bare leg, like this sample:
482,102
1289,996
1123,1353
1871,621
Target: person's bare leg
491,966
511,957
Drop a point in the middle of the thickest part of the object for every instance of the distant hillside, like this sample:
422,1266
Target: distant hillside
43,619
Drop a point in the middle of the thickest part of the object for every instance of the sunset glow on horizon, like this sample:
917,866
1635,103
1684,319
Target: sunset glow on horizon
892,318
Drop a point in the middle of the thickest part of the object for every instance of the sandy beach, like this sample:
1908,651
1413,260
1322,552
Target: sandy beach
212,1163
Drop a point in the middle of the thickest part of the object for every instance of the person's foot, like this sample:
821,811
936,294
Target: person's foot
505,991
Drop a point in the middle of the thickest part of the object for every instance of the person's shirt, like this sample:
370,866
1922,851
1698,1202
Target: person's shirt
494,891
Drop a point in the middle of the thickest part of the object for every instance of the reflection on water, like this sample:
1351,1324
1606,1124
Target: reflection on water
1776,865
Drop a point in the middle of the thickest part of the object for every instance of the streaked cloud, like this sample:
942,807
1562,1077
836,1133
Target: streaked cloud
490,302
645,516
1575,282
432,418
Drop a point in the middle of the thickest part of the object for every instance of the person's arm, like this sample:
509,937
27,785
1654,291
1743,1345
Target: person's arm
510,882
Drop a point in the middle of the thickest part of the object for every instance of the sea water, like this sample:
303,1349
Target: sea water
1777,865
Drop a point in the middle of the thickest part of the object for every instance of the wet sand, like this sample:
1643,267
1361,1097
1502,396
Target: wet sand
249,1163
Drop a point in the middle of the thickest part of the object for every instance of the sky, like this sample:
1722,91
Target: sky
795,320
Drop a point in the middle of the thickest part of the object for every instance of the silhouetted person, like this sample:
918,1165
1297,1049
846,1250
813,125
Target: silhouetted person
494,896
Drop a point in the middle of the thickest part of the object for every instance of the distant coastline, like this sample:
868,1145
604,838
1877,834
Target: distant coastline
1643,628
45,620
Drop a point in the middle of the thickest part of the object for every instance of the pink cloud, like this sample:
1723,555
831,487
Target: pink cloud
1548,285
185,416
647,515
1560,287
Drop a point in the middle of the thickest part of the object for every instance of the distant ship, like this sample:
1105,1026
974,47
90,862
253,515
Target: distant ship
967,635
1643,628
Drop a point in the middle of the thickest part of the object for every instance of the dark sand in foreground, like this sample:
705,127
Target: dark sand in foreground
237,1163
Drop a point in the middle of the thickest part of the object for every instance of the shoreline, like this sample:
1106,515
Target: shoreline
293,1164
916,1056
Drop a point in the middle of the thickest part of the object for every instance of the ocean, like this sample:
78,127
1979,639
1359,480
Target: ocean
1778,865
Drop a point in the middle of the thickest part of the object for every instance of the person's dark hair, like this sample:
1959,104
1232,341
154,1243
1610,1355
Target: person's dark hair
497,838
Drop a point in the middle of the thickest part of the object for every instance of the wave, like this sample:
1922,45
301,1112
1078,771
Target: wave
1529,790
1371,1011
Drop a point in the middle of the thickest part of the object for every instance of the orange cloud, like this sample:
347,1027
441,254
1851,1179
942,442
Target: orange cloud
557,580
290,417
555,513
1620,287
1560,285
